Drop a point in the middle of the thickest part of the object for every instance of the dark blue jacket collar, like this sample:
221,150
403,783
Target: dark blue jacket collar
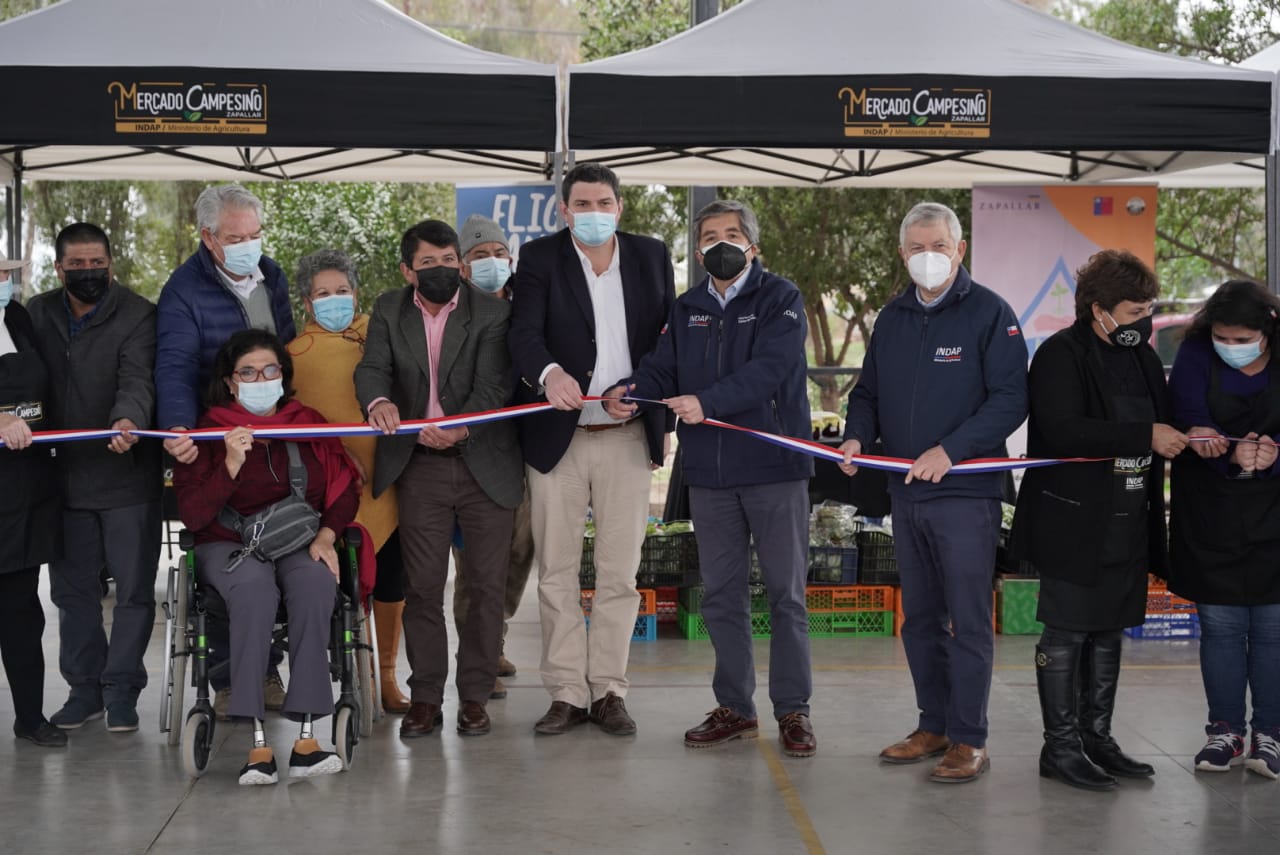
959,290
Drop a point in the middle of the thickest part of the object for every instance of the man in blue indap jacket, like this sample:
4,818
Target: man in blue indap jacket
733,349
944,380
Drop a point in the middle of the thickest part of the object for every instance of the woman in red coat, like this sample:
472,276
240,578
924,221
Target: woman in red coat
251,388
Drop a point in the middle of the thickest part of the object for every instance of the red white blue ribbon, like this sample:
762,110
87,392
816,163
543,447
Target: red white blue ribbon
412,426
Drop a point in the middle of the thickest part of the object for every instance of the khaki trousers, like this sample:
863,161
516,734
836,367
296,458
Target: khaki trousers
608,471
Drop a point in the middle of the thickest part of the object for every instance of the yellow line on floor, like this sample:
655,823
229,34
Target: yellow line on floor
679,669
790,797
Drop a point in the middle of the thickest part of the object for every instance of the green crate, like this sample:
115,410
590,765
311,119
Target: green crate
692,626
1016,604
821,625
866,623
691,599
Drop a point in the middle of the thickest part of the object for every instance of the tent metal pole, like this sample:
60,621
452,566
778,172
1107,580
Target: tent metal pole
15,236
1273,225
699,197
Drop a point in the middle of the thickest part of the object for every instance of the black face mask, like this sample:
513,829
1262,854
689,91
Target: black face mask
88,286
1129,335
438,284
724,261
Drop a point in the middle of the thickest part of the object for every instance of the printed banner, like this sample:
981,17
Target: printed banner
1028,242
523,212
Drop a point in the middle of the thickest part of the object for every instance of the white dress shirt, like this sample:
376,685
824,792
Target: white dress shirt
613,351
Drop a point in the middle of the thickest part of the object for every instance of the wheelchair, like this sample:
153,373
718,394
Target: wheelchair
188,608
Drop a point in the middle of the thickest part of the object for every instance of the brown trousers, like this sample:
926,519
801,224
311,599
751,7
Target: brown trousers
434,494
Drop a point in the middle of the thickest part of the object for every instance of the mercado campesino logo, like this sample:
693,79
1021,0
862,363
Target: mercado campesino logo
143,107
936,111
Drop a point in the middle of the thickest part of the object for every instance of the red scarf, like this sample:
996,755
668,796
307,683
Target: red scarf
338,471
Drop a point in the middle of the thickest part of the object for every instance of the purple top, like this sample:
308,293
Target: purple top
1189,388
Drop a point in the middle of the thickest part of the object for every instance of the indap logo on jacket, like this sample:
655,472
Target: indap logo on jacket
947,354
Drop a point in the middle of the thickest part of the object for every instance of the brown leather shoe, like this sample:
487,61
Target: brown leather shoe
499,691
961,764
916,747
420,720
560,718
505,667
722,725
796,735
611,714
472,719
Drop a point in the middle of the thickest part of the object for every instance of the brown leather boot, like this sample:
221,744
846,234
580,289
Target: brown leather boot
386,618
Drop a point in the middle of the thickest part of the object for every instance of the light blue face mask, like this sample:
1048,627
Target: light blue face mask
259,398
1238,355
335,312
594,228
242,258
6,292
490,274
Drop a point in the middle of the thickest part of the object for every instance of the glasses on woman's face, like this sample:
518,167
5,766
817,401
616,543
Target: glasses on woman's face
249,374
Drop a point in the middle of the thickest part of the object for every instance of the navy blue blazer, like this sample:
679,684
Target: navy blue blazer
552,320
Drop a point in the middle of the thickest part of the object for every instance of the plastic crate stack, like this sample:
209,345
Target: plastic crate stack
1168,616
646,619
667,560
835,611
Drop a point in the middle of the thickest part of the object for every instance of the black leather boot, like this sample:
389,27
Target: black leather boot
1063,756
1098,693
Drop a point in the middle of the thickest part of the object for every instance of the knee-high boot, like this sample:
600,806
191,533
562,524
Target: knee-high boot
1063,756
1098,702
386,617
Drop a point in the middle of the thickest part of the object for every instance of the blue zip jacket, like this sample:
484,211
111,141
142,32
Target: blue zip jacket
746,363
196,314
953,375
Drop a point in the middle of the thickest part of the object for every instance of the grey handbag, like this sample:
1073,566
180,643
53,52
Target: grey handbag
284,527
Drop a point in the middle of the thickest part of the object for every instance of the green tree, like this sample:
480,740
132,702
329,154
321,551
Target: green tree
1201,235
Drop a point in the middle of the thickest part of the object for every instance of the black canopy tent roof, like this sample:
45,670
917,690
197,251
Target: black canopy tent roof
912,93
264,89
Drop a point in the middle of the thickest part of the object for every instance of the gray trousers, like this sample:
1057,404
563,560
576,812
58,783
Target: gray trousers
126,541
252,593
725,519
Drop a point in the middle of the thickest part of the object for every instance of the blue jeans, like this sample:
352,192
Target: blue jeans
1239,647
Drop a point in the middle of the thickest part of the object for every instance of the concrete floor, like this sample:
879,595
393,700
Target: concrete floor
589,792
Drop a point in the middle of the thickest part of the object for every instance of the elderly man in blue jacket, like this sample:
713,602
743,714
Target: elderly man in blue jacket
944,380
733,349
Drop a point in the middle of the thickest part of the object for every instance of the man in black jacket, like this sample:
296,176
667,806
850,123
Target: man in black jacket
98,340
944,380
734,350
589,303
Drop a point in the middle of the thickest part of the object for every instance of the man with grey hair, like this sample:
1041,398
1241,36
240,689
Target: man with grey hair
944,380
227,285
734,349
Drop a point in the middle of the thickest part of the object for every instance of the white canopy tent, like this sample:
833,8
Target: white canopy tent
264,89
913,93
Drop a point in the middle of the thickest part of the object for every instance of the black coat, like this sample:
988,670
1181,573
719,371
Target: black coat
1063,510
101,376
30,506
552,320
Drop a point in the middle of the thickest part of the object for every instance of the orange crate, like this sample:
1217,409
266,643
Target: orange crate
849,598
648,601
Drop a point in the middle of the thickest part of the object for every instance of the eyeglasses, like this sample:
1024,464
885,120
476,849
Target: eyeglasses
249,374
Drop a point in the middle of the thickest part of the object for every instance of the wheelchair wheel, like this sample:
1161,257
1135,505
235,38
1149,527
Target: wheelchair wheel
197,742
175,653
345,736
365,688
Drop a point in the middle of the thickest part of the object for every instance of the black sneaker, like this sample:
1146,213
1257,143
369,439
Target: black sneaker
121,717
75,712
1223,751
314,762
45,735
260,772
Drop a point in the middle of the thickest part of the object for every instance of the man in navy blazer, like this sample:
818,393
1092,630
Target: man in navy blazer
590,301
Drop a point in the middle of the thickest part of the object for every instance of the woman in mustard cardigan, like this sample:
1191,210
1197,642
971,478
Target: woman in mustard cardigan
325,355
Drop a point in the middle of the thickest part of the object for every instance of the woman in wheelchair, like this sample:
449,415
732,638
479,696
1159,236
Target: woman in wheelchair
223,493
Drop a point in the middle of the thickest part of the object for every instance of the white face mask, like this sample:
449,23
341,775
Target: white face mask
929,269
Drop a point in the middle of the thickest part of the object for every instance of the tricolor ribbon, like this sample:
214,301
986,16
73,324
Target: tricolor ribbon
802,446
